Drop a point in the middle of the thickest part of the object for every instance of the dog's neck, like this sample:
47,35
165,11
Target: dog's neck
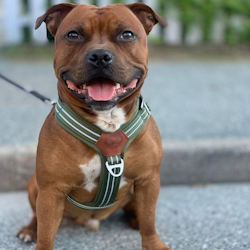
109,120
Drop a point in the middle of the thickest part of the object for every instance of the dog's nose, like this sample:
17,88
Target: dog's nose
100,57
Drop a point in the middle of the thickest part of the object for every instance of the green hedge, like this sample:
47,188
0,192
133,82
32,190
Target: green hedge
205,12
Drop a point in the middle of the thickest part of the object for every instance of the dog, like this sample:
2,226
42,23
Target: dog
101,62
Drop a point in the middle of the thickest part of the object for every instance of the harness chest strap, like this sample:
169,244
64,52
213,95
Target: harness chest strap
110,147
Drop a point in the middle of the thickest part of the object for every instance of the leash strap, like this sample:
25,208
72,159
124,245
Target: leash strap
34,93
111,165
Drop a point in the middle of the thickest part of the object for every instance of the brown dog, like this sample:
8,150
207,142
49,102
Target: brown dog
101,62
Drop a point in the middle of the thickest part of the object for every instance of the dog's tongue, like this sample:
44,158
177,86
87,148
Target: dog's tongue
101,90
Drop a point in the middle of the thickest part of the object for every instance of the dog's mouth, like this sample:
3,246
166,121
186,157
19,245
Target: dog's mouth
101,89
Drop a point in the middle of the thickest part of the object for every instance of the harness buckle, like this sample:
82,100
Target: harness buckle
111,167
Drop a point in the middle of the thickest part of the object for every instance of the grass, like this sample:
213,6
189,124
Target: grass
156,52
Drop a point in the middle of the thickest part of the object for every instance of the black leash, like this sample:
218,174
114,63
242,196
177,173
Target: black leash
34,93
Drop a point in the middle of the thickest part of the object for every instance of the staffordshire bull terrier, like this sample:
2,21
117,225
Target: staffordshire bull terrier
99,149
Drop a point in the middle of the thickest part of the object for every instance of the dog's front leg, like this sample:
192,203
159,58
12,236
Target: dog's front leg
146,195
50,207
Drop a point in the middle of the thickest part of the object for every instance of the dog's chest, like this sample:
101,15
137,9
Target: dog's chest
92,171
110,120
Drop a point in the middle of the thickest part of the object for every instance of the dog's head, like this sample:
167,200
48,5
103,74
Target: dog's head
101,53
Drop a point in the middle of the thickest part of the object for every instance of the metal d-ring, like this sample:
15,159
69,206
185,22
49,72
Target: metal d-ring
111,167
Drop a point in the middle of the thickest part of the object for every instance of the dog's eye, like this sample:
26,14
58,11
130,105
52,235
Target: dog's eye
73,35
127,35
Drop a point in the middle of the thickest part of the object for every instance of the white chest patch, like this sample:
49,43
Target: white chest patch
110,120
91,171
122,182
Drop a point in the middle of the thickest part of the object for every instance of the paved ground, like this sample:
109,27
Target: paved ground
213,217
189,100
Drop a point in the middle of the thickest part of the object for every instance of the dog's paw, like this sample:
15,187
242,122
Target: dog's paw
132,220
80,221
164,248
27,235
92,225
154,243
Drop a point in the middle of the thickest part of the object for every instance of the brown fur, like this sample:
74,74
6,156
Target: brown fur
59,153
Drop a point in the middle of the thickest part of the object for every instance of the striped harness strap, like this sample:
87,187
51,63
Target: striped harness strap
110,147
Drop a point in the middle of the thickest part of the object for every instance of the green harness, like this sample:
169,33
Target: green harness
110,147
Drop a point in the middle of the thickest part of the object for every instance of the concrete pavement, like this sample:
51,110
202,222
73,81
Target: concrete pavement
213,217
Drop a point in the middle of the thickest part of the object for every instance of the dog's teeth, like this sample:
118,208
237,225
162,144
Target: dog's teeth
118,86
84,86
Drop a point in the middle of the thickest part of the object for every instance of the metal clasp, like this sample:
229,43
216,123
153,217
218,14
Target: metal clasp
111,167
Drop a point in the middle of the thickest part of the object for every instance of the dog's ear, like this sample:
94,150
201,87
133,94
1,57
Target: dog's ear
54,16
147,16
